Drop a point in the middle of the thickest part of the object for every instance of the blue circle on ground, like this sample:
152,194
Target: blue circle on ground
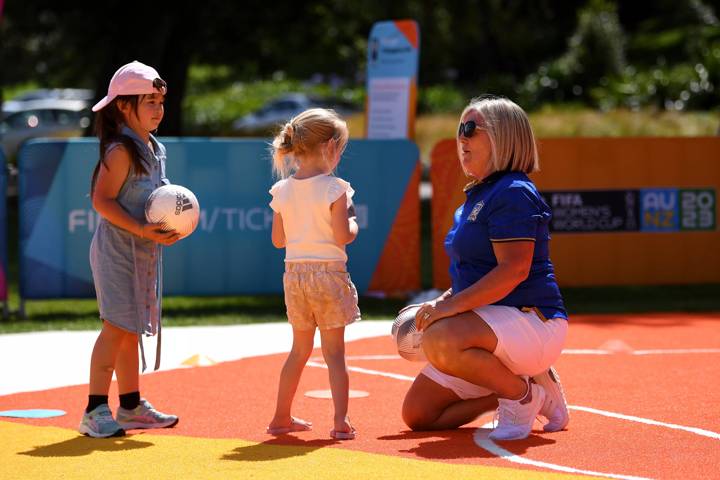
33,413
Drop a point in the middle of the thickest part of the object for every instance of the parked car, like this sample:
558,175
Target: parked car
280,110
42,118
60,94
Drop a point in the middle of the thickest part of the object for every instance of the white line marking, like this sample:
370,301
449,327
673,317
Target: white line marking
396,376
363,357
647,421
480,435
675,351
654,351
568,351
481,440
586,351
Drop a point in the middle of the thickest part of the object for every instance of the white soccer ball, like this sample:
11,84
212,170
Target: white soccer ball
175,207
406,336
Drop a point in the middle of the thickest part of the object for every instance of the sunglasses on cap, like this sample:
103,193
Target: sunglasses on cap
468,128
160,85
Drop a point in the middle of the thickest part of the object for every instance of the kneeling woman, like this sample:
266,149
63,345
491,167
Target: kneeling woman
503,321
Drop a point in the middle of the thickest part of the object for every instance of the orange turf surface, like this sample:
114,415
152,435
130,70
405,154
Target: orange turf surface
235,400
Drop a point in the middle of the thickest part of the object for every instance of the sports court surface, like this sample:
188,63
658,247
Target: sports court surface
643,390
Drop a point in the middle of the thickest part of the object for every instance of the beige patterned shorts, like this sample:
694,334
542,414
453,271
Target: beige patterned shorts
319,294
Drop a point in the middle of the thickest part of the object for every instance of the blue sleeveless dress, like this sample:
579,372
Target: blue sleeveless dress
126,269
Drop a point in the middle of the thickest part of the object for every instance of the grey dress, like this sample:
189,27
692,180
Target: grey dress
126,269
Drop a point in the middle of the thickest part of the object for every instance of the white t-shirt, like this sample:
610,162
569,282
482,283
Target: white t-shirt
305,209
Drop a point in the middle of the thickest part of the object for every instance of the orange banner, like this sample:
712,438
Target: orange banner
398,270
588,164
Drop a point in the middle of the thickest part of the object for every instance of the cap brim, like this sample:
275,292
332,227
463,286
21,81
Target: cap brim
103,103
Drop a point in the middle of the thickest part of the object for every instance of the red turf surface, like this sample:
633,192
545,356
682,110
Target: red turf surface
236,400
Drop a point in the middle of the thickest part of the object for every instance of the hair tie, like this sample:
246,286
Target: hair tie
289,134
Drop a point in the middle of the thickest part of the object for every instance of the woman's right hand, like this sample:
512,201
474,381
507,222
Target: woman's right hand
408,307
158,233
441,298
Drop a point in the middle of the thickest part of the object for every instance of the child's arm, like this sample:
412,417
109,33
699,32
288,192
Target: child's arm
113,172
345,228
278,233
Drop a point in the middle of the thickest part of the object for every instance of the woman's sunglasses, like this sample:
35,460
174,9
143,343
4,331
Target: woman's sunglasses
468,129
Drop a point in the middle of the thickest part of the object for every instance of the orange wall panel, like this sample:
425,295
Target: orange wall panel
612,258
398,270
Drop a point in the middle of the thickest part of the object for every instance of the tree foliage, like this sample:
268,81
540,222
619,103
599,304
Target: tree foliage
597,52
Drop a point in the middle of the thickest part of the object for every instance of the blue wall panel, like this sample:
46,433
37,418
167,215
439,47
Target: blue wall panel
230,252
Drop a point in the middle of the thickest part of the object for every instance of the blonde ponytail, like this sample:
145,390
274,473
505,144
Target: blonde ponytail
282,148
303,135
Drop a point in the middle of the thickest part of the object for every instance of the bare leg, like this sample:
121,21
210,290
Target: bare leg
430,406
290,378
333,347
462,346
127,365
104,355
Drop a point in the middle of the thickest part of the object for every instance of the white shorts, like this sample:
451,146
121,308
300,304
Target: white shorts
527,345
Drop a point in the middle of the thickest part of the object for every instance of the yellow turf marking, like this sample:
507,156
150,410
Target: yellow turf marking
51,452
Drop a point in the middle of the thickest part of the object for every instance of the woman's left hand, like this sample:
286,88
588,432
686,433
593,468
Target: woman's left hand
429,313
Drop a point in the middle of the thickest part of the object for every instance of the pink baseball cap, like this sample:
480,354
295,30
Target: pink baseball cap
135,78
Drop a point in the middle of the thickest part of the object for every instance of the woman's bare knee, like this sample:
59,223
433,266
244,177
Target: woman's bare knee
415,418
425,402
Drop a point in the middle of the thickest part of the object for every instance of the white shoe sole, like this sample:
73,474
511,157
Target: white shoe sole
553,391
90,433
139,426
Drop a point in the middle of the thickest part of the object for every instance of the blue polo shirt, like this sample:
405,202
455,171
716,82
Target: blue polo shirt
504,207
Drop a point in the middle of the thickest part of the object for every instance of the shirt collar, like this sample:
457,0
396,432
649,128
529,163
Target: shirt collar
145,151
492,178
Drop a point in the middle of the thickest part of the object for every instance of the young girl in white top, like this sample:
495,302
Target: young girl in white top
313,221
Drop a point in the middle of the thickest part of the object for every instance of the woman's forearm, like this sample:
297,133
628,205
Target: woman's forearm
495,285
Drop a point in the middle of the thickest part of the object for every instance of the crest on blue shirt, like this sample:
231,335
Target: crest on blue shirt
475,211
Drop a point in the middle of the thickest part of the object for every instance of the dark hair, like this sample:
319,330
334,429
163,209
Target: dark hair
108,123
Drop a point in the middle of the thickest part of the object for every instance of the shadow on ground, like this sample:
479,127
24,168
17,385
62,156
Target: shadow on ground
80,446
286,446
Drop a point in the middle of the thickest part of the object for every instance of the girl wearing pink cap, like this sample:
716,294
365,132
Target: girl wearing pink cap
125,253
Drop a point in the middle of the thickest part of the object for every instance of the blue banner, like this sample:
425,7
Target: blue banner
658,210
393,49
392,66
230,252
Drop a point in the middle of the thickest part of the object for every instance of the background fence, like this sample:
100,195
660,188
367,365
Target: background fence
231,252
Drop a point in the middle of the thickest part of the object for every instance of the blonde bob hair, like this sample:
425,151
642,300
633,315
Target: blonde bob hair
301,138
511,137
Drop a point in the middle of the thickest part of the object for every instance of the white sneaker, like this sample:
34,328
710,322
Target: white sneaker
144,416
516,417
99,423
555,408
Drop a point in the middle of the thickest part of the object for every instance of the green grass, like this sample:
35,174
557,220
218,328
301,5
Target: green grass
82,314
196,311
